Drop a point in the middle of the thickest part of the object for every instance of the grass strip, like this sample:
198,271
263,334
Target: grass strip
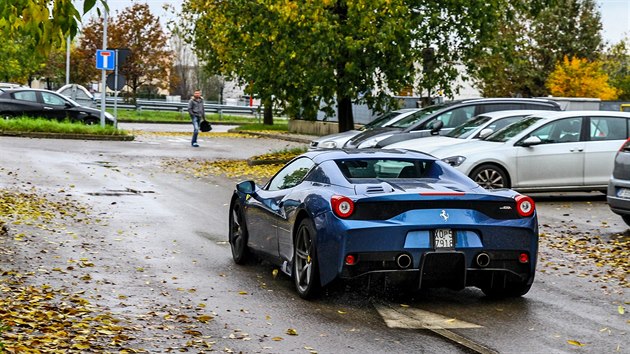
144,116
26,124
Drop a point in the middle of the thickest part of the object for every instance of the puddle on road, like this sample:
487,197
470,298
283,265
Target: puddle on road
106,164
120,192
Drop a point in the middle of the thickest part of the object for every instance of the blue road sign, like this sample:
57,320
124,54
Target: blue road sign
105,59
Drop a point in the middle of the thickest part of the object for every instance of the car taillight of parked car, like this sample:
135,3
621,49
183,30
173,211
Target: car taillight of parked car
625,147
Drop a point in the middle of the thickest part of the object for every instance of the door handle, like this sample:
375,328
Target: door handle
48,108
578,150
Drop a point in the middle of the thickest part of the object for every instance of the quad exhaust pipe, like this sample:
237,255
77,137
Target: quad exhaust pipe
403,261
483,260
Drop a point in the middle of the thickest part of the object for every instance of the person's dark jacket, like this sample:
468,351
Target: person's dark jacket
195,107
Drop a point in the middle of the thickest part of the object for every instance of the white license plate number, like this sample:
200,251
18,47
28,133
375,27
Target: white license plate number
443,238
624,193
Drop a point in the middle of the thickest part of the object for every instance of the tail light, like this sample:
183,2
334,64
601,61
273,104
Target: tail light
523,258
342,206
524,205
351,259
625,146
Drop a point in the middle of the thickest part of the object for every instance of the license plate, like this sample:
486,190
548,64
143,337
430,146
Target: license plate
623,193
443,238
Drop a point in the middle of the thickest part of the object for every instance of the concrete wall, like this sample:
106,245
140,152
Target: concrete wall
314,127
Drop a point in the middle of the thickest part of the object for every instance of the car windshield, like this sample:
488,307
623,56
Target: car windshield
73,102
381,121
416,117
464,130
512,130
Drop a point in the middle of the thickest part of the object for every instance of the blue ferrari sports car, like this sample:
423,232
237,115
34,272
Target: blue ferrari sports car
336,214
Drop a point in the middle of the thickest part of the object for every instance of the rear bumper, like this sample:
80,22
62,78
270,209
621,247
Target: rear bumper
620,206
454,269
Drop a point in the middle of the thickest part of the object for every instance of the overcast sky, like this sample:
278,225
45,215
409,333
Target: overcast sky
615,14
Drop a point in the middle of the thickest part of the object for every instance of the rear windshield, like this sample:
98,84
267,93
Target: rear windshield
389,168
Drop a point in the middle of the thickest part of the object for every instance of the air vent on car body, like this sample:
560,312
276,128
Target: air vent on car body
374,189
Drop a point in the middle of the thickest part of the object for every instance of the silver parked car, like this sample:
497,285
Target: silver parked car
337,140
443,118
478,127
559,151
619,186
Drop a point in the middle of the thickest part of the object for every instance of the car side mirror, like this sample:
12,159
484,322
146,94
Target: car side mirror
485,132
436,126
246,187
532,140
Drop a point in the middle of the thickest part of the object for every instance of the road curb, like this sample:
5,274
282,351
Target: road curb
45,135
294,139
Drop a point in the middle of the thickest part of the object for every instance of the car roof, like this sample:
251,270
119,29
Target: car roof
504,99
470,101
319,156
405,110
567,114
515,112
27,89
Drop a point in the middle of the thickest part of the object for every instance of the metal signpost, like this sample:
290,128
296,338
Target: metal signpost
105,60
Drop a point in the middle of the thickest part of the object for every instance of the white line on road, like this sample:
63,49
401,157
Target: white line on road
412,318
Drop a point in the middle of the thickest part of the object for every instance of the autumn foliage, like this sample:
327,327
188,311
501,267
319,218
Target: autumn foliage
577,77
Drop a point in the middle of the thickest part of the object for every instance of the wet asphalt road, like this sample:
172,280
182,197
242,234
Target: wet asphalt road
173,226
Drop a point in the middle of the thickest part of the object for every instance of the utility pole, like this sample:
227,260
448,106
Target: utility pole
103,76
68,60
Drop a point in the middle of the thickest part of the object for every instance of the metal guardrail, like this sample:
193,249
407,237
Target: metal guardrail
183,106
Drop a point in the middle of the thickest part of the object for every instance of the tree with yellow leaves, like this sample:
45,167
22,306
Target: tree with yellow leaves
577,77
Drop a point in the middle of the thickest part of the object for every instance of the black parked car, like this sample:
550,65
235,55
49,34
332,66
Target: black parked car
443,118
47,104
619,187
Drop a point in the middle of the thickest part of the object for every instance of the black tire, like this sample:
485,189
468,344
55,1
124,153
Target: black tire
91,121
626,218
238,234
305,264
490,177
7,115
511,290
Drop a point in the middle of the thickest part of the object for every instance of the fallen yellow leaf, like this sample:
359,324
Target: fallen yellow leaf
576,343
292,332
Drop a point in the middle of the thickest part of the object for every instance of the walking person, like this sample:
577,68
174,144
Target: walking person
197,114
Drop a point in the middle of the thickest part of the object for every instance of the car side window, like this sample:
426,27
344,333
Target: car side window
608,128
52,99
455,117
560,131
291,175
30,96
